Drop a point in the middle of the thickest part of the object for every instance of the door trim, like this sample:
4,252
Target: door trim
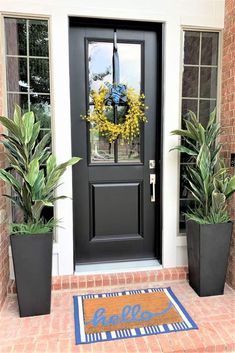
159,29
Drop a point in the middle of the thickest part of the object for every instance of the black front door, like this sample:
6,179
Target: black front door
116,206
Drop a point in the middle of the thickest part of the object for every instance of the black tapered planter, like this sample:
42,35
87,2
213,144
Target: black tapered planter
32,260
208,251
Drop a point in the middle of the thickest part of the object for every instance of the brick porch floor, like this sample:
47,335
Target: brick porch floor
215,317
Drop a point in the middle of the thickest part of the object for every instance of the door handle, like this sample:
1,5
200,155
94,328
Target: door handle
153,187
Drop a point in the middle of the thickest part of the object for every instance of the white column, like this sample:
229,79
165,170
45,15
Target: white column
171,120
61,128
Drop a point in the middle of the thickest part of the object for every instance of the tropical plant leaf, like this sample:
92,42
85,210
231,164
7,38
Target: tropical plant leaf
230,187
16,150
203,161
37,209
32,172
51,164
183,133
27,157
15,200
12,181
218,201
212,119
184,150
39,149
192,129
208,181
201,134
70,162
38,227
27,126
17,115
35,133
45,155
11,126
39,186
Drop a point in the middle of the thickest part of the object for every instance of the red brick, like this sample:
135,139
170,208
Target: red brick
227,117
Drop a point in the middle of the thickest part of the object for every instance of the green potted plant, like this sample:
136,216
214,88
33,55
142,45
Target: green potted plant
208,225
33,176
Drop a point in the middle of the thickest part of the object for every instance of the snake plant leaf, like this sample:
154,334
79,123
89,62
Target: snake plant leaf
230,187
185,150
10,126
27,126
17,115
32,172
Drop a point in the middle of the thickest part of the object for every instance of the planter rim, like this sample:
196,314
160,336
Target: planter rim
30,235
209,224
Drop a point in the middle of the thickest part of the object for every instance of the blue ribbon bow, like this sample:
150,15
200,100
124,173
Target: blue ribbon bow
116,93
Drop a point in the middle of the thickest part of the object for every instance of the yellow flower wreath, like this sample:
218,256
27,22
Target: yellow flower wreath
127,130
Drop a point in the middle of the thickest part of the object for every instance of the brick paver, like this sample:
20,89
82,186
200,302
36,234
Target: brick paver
215,317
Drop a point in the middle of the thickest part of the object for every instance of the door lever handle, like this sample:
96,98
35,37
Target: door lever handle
153,187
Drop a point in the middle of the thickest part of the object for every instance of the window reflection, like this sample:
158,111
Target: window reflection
40,105
102,151
100,64
130,64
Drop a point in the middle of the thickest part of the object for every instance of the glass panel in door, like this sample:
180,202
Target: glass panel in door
100,72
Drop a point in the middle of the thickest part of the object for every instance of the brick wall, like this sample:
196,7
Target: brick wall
228,112
4,215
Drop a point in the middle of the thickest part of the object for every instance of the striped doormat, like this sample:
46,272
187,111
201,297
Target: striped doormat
134,313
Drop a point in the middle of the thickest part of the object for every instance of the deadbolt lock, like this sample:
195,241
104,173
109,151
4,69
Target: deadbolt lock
152,163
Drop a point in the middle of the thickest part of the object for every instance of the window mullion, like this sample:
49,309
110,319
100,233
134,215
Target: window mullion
28,74
199,74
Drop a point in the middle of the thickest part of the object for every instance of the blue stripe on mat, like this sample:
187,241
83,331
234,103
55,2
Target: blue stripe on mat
182,308
140,331
76,320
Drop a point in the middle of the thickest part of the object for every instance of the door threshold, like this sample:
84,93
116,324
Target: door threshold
117,267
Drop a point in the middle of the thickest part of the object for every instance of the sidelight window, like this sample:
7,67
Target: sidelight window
27,68
199,92
28,73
